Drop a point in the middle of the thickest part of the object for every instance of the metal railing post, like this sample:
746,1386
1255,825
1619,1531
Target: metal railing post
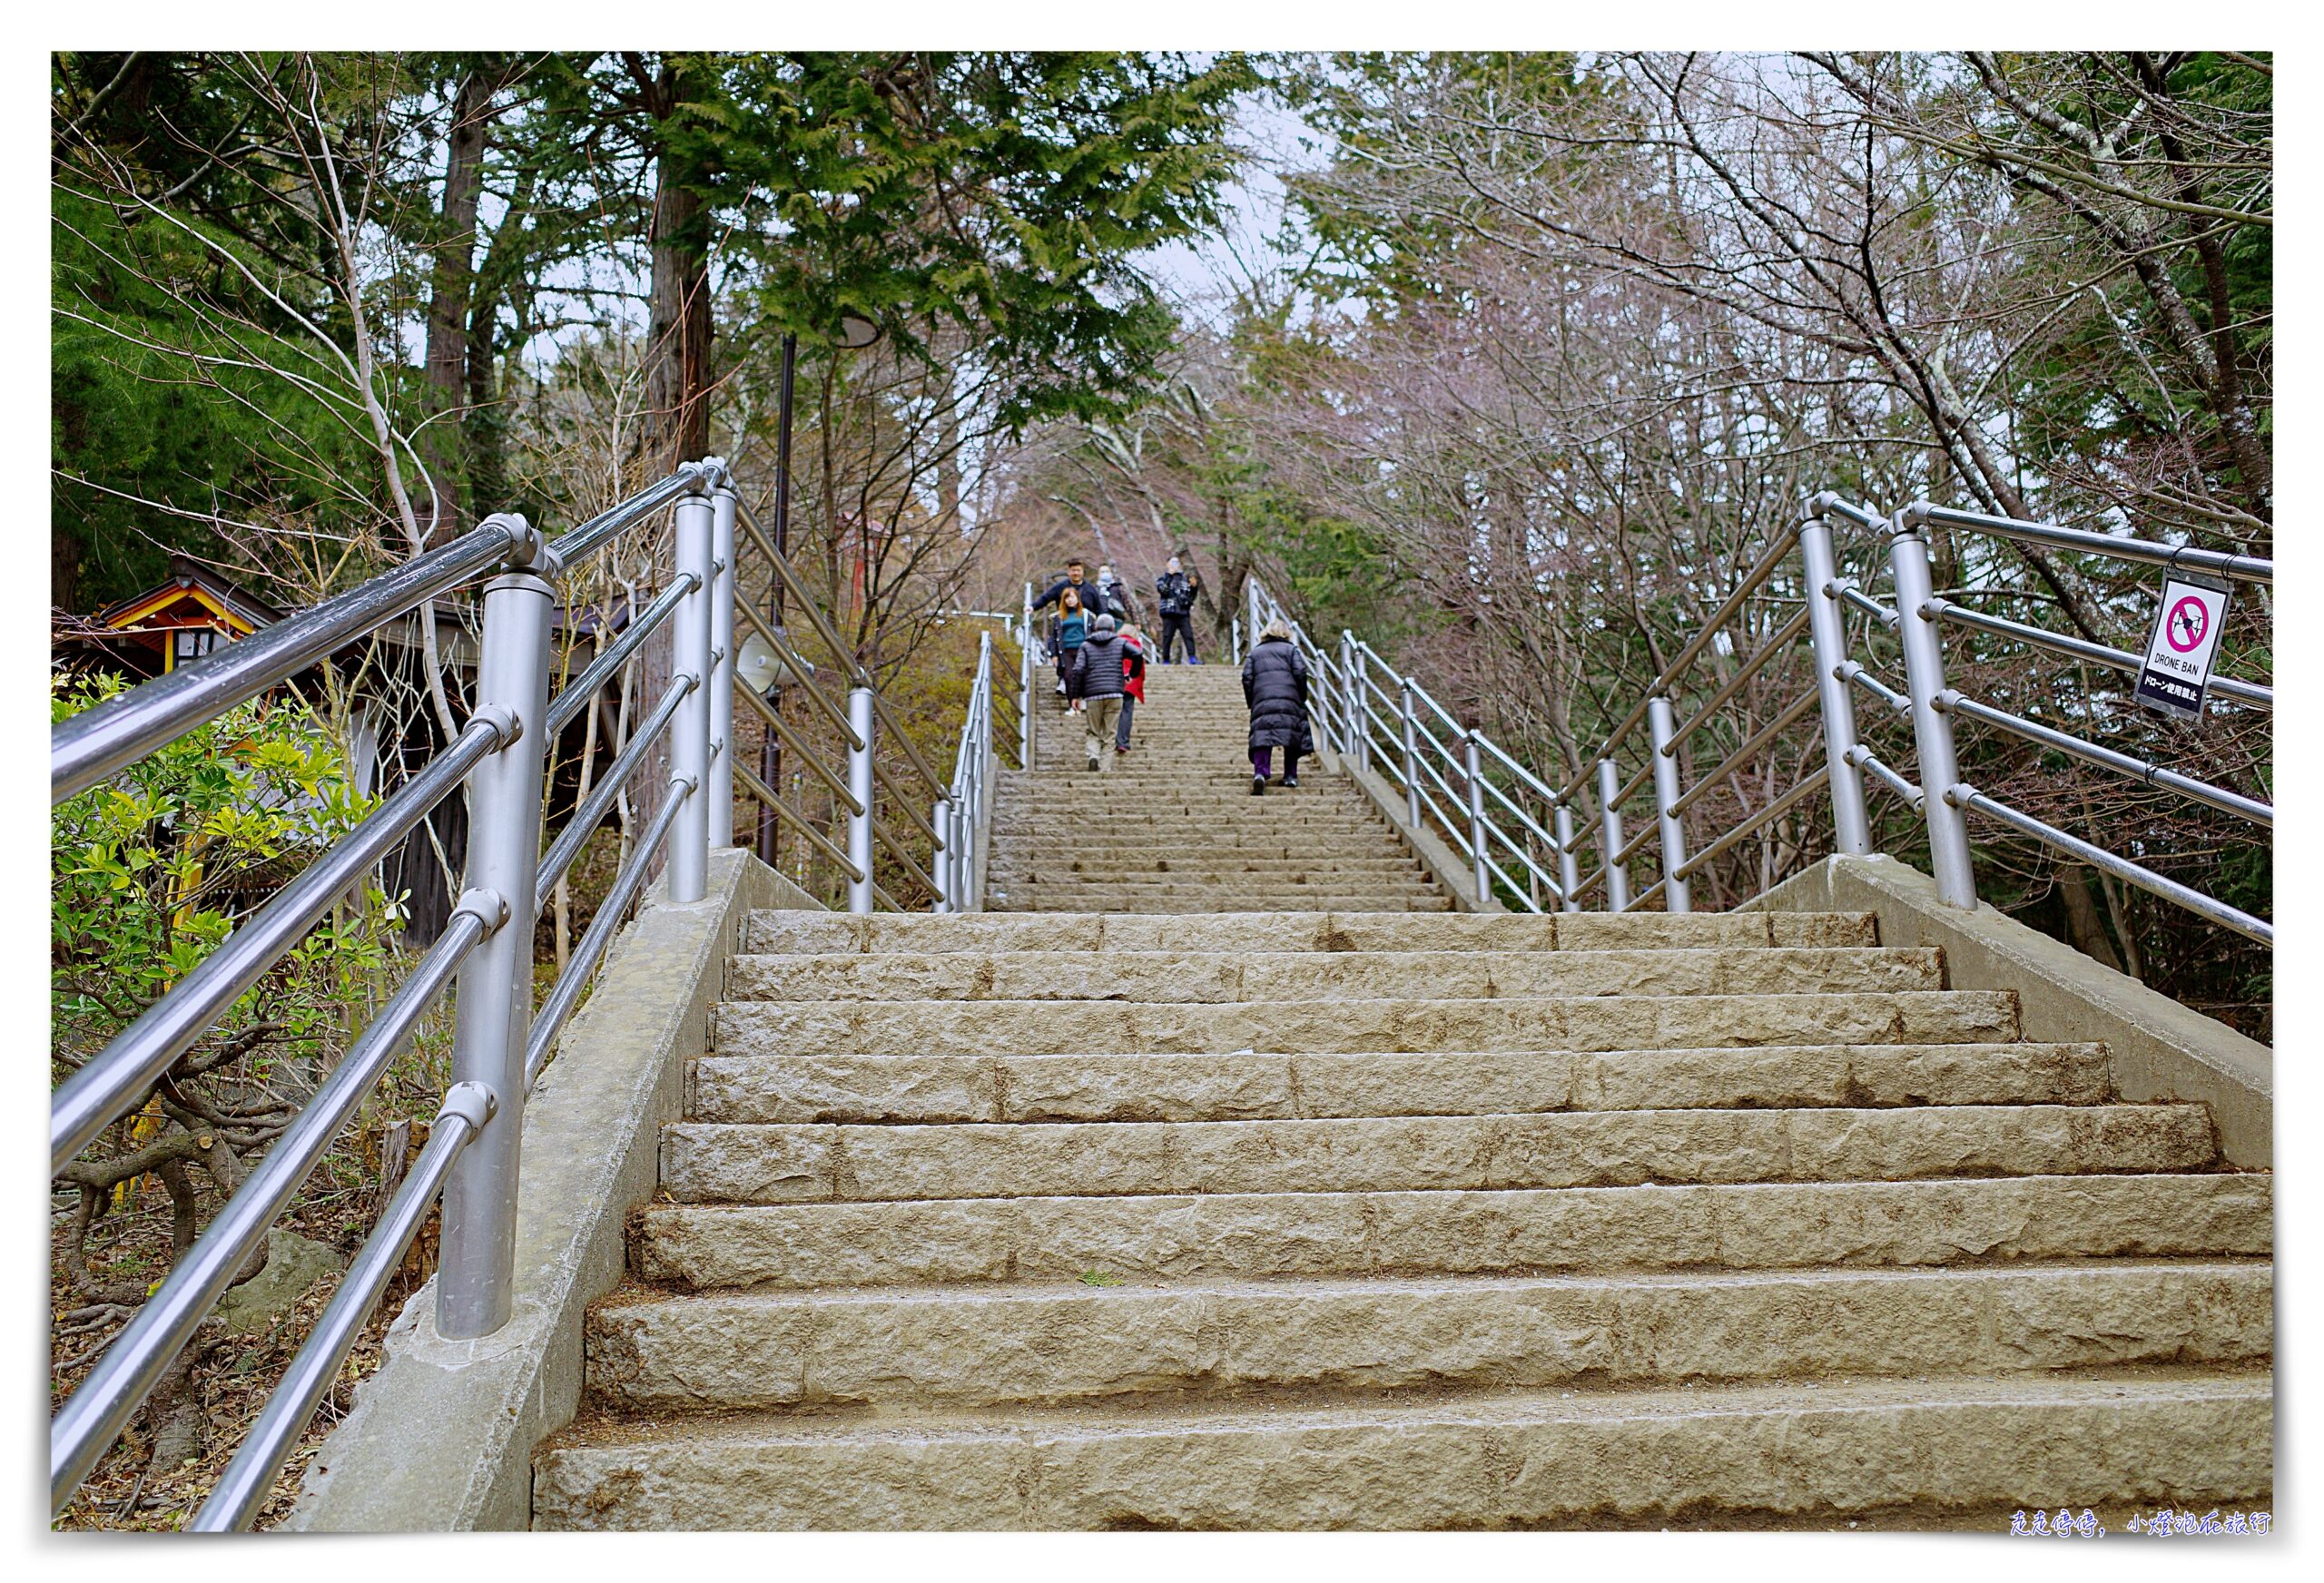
1609,837
1664,725
1412,752
1948,832
860,787
689,858
1569,865
1851,824
944,862
1025,687
1359,717
1350,694
1477,819
492,1023
721,784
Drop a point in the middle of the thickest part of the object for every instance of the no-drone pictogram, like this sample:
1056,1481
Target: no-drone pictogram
2176,671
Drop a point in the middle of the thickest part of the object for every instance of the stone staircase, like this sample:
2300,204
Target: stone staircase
1168,1212
1172,826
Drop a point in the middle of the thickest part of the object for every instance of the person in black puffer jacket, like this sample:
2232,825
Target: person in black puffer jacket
1274,688
1097,678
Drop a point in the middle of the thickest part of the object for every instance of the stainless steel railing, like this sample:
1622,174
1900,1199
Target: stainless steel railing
879,778
1524,839
1920,617
501,1041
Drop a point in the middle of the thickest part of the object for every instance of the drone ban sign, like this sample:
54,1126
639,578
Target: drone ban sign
2176,672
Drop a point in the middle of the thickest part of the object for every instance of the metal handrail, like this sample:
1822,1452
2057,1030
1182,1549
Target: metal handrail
841,651
1384,717
798,822
93,744
575,694
1864,758
2121,763
911,752
1777,642
499,755
241,1491
1515,808
2251,693
830,778
1849,594
902,799
592,812
1856,676
549,1020
95,1415
1755,822
798,666
118,1075
586,540
1743,754
2239,568
1965,796
885,832
1753,579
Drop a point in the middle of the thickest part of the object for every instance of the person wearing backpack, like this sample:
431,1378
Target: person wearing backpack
1176,591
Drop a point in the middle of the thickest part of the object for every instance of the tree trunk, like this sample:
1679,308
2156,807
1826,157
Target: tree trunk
678,386
448,301
2085,931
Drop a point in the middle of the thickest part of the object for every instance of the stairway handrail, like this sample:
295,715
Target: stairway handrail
501,1042
1412,757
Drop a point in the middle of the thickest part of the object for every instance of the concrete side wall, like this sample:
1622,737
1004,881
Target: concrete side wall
1447,867
441,1438
2160,1049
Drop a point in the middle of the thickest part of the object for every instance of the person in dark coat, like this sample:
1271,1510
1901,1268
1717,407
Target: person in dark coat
1177,590
1274,689
1076,578
1100,670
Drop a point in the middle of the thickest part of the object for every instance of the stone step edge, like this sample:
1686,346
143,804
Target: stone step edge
1818,1425
1814,1225
1124,1340
875,1090
1481,1407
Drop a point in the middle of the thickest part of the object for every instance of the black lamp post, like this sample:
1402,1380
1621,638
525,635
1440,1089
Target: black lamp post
855,332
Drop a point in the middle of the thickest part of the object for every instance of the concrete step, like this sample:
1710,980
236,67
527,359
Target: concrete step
1136,1087
975,1346
1220,871
773,930
1027,898
1276,890
1176,834
1776,1453
1381,859
1297,1027
1728,1226
1066,814
1191,847
712,1162
1219,976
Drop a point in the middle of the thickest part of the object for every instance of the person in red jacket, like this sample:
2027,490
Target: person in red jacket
1133,683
